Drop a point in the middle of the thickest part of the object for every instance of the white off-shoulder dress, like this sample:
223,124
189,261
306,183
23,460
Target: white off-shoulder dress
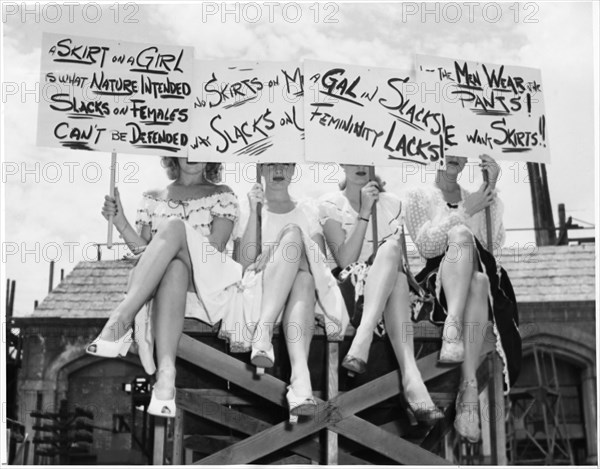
216,276
238,327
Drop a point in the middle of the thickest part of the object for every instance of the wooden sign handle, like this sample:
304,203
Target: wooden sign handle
374,214
258,216
113,174
488,217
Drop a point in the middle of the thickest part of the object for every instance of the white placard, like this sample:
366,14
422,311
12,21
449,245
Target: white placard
247,112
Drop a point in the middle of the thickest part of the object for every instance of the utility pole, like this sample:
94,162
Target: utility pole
543,219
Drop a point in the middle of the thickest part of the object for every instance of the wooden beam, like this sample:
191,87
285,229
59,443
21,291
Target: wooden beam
230,418
496,411
343,406
385,443
340,410
178,438
158,455
231,369
332,370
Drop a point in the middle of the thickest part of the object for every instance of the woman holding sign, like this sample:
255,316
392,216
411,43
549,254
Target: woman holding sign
448,225
181,270
374,286
288,282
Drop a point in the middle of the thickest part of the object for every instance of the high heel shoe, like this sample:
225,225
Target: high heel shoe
466,422
110,348
299,405
418,413
354,365
262,359
162,407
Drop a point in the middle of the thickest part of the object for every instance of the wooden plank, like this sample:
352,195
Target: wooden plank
385,443
496,411
189,456
340,408
158,455
231,369
178,438
343,406
211,410
224,397
332,387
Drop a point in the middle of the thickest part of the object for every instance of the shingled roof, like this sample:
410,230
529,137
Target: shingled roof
544,274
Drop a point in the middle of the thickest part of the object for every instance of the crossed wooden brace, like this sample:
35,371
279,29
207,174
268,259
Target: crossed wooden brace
337,414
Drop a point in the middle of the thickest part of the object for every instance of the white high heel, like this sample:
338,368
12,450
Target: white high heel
262,359
299,405
162,407
109,348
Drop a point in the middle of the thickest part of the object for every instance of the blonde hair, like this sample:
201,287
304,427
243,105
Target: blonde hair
212,171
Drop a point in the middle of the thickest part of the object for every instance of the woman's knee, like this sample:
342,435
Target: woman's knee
291,244
460,234
172,228
391,250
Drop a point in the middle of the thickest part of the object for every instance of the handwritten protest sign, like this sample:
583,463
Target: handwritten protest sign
106,95
371,116
247,112
497,109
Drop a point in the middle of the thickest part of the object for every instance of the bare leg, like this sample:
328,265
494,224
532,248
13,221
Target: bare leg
457,270
168,244
475,320
278,277
298,326
380,282
400,329
168,316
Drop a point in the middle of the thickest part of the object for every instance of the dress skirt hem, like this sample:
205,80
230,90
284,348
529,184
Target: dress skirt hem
215,277
502,307
238,328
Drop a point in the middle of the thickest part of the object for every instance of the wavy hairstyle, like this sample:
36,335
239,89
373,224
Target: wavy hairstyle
212,171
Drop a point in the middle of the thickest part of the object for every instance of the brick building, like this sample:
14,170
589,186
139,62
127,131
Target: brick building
555,287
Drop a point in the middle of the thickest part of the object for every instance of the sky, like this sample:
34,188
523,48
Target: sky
52,197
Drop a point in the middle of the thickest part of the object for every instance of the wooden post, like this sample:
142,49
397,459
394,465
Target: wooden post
332,386
160,433
496,412
113,174
374,214
178,438
542,211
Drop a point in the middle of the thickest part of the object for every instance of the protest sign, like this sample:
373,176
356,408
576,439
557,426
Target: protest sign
496,109
370,116
104,95
247,112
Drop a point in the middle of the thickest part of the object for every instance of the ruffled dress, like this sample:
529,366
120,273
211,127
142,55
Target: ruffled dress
215,275
239,327
335,206
428,219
